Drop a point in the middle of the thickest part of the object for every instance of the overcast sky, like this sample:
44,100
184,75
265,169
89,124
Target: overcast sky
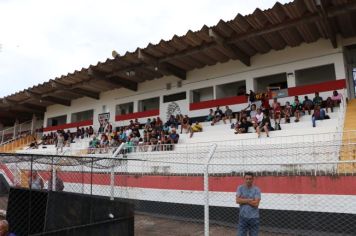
44,39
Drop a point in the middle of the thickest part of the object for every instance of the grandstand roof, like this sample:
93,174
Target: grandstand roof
301,21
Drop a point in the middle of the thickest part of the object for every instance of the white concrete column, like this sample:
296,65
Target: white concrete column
291,79
16,124
250,85
33,124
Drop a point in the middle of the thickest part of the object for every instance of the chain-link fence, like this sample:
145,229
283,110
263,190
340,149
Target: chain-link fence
180,190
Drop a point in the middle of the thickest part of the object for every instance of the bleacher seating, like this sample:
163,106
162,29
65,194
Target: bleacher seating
300,137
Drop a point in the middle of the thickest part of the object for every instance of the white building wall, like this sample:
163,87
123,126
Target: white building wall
287,60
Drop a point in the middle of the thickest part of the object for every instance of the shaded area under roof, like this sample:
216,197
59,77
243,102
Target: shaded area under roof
301,21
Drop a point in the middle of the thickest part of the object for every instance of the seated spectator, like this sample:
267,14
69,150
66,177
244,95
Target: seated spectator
134,139
277,114
107,127
196,128
122,136
165,128
336,98
259,115
242,127
137,123
253,113
265,125
329,105
79,133
94,143
154,137
307,104
159,123
86,132
113,140
298,110
317,101
172,121
82,135
128,131
163,140
146,138
227,114
241,114
218,114
265,103
91,131
148,123
185,126
131,124
173,137
287,112
104,141
136,131
333,101
296,98
319,114
153,122
210,116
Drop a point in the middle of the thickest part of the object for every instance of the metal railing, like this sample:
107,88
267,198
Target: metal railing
19,130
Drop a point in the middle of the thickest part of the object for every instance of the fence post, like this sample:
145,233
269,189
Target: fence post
54,176
112,173
91,176
206,190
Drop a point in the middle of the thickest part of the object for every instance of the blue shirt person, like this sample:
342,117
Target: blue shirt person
248,197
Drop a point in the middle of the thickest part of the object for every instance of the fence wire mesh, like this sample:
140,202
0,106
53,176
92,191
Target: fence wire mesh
312,196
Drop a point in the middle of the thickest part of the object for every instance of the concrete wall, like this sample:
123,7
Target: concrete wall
284,61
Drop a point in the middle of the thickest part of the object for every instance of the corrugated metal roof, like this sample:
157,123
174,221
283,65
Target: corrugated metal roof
239,39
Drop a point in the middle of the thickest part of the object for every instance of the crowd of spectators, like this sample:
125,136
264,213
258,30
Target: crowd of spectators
162,136
259,113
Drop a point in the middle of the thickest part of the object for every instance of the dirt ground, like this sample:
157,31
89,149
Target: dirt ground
155,226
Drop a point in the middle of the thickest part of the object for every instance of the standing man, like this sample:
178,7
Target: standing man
248,197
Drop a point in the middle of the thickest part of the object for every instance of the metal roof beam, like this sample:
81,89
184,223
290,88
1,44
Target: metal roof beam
23,107
326,22
311,18
230,50
163,67
113,79
73,89
49,98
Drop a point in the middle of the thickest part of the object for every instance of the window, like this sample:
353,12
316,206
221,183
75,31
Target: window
82,116
148,104
123,109
203,94
58,120
231,89
271,82
315,75
175,97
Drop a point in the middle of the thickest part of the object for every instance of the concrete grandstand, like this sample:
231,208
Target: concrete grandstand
286,53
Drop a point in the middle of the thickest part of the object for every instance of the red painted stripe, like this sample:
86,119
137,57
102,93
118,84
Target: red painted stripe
137,115
218,102
7,172
321,87
342,185
69,125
